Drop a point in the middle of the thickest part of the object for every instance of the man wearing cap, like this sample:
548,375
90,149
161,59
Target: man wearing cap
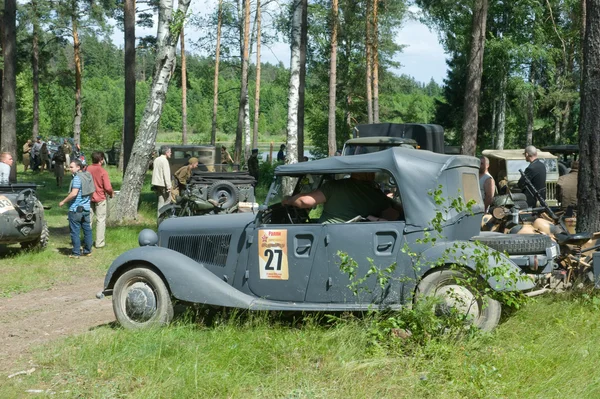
536,173
253,164
182,176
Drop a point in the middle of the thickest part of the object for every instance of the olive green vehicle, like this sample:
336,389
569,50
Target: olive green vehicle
22,217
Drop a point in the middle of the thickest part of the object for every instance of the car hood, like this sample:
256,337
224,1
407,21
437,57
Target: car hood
203,224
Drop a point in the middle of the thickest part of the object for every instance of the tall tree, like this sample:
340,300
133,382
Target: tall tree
293,92
129,105
184,134
168,31
474,72
257,86
331,141
588,186
375,52
8,134
302,80
35,68
245,51
213,134
369,59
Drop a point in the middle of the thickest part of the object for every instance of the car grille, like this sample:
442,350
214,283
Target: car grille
209,249
550,191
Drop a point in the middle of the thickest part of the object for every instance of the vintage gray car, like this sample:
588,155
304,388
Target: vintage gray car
281,259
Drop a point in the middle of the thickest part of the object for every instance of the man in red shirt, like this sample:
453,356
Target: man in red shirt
99,202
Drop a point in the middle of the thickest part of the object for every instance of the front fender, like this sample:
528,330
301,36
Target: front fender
187,279
465,253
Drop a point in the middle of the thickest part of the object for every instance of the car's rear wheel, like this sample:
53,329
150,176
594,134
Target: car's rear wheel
454,291
41,242
141,299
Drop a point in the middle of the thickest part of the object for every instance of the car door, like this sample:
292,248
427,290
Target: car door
280,262
380,241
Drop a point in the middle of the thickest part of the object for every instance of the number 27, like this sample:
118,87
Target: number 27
271,253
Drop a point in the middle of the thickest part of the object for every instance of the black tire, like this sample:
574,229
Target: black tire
225,193
141,300
452,288
517,244
41,242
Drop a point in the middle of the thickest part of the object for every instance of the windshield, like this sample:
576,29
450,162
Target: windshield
515,165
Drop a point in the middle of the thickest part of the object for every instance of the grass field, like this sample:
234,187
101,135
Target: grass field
547,349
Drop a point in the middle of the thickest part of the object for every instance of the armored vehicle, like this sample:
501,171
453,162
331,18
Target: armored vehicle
22,217
282,258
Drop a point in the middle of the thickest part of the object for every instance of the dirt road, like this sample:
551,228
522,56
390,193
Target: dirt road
41,316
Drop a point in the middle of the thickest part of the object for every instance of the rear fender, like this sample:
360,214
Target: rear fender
186,279
465,254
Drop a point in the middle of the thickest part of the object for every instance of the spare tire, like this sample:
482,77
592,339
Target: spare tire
225,193
516,244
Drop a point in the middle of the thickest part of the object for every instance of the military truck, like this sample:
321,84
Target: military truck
22,217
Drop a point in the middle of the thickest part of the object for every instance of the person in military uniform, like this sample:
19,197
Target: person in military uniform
67,149
181,177
27,155
253,169
566,187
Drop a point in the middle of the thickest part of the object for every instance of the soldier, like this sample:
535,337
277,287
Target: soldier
67,149
253,169
280,154
35,153
225,158
566,187
161,177
27,155
182,176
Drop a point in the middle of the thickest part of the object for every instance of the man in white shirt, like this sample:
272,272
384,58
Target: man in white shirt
161,177
6,161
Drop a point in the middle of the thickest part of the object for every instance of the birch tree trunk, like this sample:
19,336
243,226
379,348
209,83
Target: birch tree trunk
244,85
35,67
588,186
302,80
293,98
502,114
368,46
257,88
213,134
375,62
77,56
169,25
8,135
474,72
184,138
129,106
331,139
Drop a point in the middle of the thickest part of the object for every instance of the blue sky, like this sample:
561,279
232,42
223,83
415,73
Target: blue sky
423,57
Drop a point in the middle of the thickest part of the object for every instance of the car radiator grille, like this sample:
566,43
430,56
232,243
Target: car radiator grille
550,191
209,249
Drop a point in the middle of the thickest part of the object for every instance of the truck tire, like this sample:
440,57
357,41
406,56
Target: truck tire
41,242
455,292
225,193
516,244
142,300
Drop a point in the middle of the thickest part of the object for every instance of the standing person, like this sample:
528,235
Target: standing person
161,177
253,168
486,183
566,187
225,158
99,202
67,149
59,166
35,153
79,214
536,173
181,177
44,157
280,154
27,155
6,161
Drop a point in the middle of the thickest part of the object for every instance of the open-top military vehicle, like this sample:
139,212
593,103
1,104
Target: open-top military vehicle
22,217
282,259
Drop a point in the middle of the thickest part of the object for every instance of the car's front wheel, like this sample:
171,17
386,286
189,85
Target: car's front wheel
141,299
455,291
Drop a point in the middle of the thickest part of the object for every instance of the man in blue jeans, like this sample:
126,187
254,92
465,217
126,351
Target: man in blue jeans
79,214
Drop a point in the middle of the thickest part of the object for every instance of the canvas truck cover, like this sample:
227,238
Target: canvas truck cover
429,137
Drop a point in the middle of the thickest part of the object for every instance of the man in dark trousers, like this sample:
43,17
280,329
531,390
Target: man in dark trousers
536,172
